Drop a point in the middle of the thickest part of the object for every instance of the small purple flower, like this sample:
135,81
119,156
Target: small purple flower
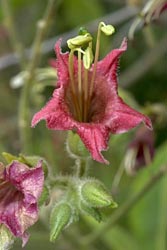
95,110
20,189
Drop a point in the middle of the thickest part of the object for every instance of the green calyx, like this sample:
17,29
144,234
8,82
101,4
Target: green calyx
91,211
61,216
95,195
75,146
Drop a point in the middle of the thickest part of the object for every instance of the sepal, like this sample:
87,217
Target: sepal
91,211
75,146
61,217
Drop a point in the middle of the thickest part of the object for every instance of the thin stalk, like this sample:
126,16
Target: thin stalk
95,60
73,90
85,96
124,209
9,21
94,65
117,178
82,167
80,81
24,113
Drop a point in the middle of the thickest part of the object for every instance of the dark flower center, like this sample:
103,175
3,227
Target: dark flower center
90,109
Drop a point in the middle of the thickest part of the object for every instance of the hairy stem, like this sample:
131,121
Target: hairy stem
82,167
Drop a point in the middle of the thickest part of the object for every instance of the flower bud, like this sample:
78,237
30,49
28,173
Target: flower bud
95,194
6,238
79,41
107,29
61,217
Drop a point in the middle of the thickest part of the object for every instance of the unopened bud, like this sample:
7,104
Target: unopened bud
79,41
95,194
107,29
61,217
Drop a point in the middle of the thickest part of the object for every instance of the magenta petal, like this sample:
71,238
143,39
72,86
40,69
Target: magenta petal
55,113
125,118
95,138
61,64
104,66
19,193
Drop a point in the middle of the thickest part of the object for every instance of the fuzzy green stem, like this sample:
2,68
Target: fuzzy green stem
24,116
124,209
9,21
82,167
60,181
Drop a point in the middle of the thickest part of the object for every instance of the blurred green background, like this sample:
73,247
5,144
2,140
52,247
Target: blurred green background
143,83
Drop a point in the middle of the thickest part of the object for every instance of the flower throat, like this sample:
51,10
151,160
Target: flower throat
82,81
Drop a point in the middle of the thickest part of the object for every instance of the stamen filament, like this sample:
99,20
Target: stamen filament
80,82
95,60
95,66
85,97
71,73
